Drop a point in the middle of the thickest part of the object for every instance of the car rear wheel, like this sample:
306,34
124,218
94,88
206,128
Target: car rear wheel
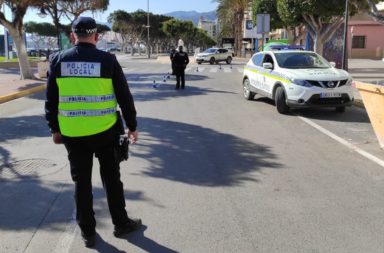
280,98
340,109
212,60
248,94
229,60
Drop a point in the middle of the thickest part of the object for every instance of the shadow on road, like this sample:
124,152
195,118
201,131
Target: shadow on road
351,114
146,91
148,245
200,156
159,77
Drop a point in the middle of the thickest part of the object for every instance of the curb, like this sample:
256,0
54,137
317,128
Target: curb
22,93
359,103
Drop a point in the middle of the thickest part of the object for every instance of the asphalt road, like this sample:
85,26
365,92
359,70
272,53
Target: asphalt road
211,172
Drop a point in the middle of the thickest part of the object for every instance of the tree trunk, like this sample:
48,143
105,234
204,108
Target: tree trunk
25,69
318,45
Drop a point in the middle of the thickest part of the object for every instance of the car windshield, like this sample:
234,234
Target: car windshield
210,50
297,60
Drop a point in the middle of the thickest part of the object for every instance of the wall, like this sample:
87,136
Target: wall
364,25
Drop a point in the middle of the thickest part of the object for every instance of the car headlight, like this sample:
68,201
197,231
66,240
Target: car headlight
349,82
300,82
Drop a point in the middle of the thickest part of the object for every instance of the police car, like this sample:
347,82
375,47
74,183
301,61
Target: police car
297,79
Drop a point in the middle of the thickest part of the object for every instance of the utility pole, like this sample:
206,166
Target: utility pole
148,47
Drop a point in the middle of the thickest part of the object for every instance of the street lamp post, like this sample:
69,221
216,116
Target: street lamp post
345,54
148,47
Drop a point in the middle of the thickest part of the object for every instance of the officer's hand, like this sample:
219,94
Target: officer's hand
57,138
133,136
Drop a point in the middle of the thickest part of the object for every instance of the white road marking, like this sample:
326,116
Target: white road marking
213,70
344,142
65,241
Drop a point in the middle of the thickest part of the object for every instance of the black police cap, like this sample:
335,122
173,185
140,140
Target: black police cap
84,25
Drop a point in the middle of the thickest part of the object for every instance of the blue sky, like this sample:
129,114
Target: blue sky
155,6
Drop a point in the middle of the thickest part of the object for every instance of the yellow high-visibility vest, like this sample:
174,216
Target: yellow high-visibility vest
87,105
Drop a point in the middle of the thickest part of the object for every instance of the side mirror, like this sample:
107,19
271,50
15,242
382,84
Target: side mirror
333,64
267,65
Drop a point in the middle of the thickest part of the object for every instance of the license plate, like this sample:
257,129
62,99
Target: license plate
330,95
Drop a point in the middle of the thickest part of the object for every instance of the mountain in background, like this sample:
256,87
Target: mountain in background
192,15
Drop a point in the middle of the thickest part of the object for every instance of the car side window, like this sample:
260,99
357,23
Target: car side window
257,59
268,59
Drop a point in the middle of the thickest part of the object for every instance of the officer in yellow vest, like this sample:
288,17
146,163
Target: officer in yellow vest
84,87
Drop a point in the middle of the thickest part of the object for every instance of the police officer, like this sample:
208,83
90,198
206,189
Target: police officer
180,61
83,89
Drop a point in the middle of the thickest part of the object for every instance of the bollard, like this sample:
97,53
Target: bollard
197,69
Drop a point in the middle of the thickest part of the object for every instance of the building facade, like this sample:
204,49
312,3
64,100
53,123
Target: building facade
366,36
209,26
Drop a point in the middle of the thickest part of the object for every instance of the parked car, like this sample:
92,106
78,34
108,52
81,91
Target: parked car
297,79
32,52
113,49
214,55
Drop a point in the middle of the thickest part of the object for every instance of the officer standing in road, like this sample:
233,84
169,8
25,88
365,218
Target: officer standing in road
84,87
180,61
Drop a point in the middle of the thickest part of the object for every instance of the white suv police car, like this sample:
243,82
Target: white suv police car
295,79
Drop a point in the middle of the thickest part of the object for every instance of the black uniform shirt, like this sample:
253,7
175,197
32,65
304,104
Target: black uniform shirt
180,59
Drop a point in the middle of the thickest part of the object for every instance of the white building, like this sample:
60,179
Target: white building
209,26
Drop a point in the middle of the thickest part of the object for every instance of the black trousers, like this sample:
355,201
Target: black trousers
80,155
180,76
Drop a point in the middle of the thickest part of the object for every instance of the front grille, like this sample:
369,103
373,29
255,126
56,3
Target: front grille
317,100
328,84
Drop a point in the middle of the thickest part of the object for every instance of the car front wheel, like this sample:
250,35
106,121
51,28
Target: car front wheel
212,60
280,98
248,94
229,60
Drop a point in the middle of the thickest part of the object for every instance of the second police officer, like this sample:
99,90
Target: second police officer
180,61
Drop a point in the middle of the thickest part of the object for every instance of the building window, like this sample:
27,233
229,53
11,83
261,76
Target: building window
358,42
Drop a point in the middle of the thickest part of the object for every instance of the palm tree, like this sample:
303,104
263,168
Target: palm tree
231,15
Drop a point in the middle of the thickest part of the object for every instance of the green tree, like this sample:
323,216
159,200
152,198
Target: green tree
41,32
231,13
157,35
374,12
14,25
270,7
121,23
70,10
321,18
130,26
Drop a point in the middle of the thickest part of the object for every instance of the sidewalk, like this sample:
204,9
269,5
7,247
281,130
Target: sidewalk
11,87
